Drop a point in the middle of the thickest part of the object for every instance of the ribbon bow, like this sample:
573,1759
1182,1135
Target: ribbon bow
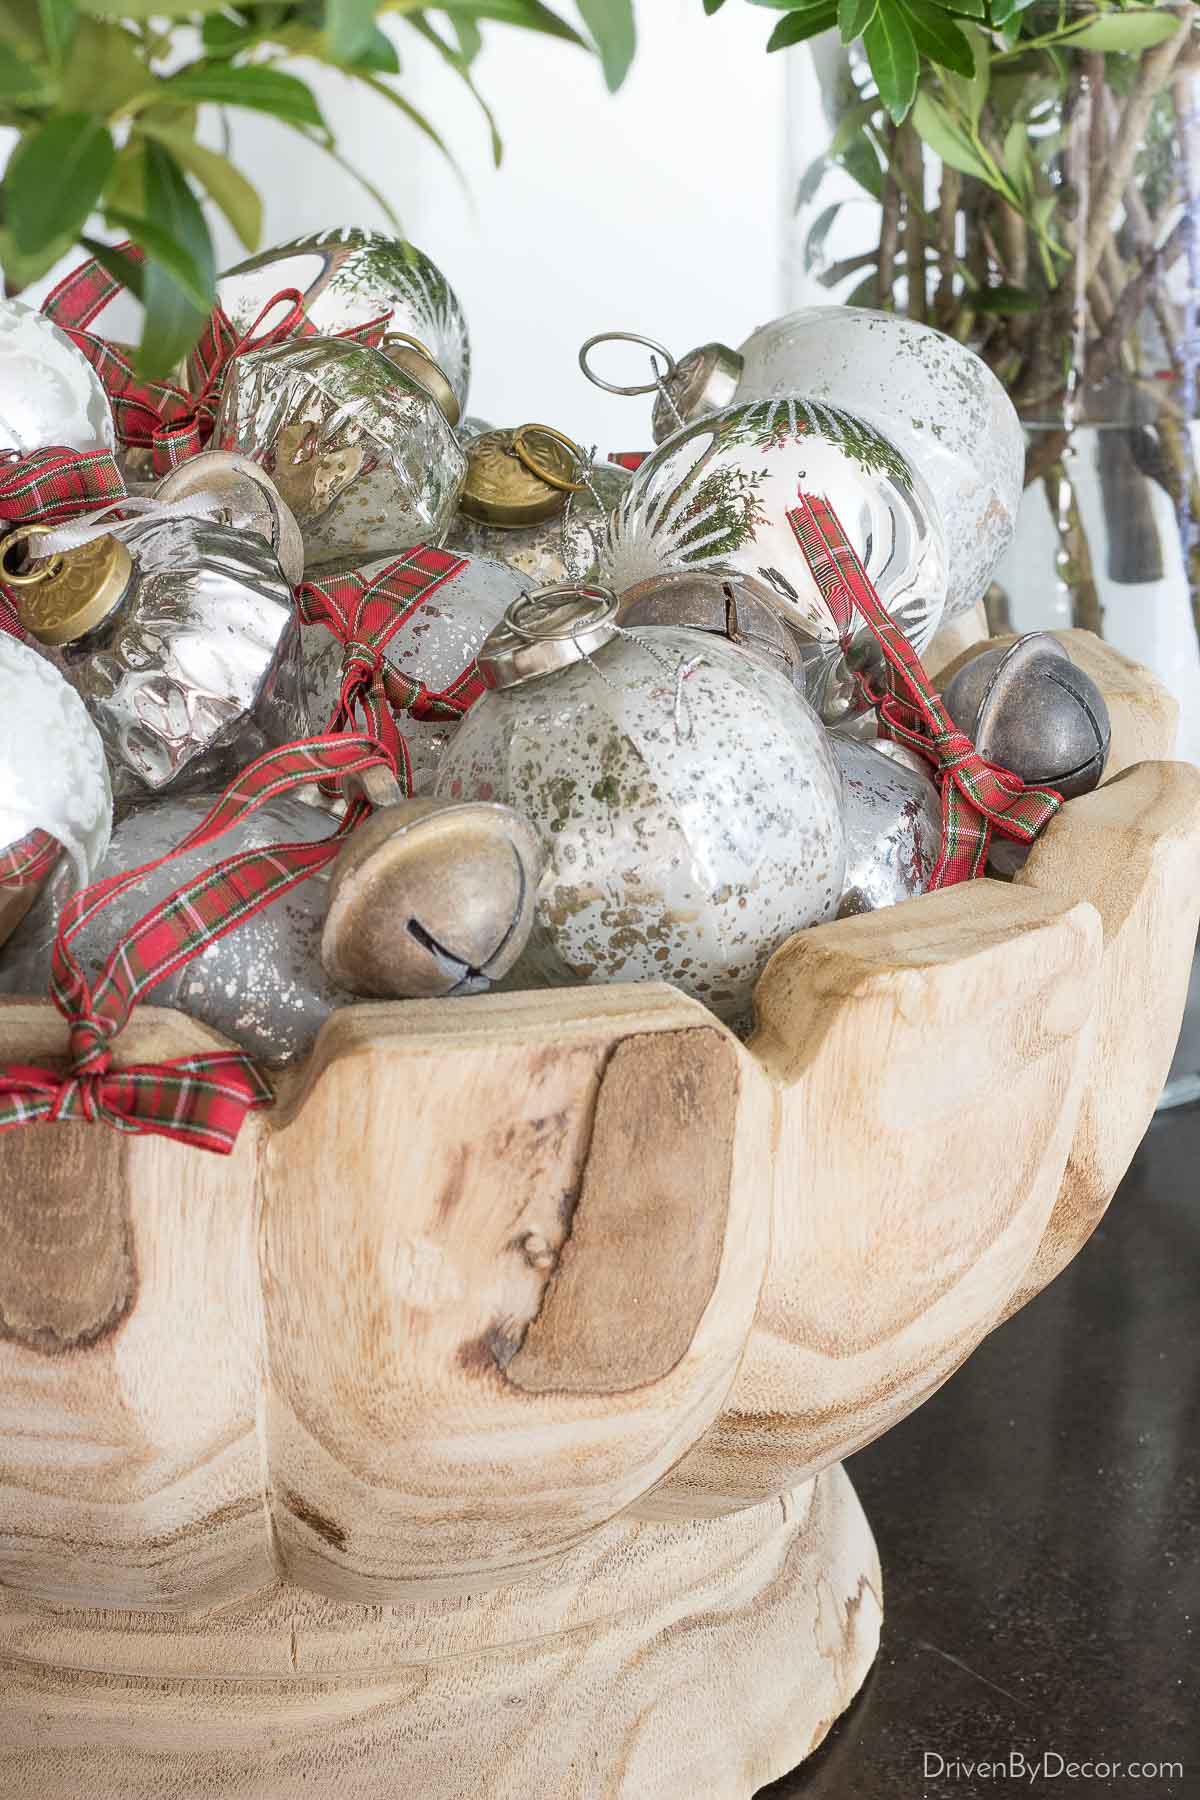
978,798
199,1100
26,863
365,615
174,424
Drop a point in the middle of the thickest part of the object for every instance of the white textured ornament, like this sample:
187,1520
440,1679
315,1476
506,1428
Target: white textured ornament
936,400
49,392
718,494
53,776
688,804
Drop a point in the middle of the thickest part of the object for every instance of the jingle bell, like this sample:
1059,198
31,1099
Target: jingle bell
431,897
1029,708
731,605
250,502
893,820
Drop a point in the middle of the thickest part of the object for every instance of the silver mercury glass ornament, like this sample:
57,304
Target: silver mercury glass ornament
359,449
734,606
686,798
176,639
438,640
430,897
250,502
533,498
262,986
718,495
1027,707
349,277
893,818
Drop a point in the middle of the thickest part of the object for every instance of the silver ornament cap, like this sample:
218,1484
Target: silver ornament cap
547,630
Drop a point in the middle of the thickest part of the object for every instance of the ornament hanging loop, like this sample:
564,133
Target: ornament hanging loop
524,447
42,571
627,337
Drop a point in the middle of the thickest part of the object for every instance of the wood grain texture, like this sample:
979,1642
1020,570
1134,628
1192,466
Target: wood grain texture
637,1675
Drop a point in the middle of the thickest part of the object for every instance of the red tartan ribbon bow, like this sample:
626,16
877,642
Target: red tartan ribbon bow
978,798
27,862
198,1100
174,424
365,616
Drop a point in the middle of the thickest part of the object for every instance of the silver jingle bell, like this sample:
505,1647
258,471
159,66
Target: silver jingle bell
1027,707
893,819
730,604
430,898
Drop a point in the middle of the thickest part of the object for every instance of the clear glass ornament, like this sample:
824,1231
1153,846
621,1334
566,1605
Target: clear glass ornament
349,277
262,986
49,392
717,495
53,773
358,448
567,547
687,800
893,817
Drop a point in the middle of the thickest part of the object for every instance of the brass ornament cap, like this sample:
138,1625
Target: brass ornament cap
253,502
519,477
70,594
409,353
1029,708
732,605
431,898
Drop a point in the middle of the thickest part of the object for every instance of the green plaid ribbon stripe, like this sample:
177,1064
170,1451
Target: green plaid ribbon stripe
365,616
28,861
174,424
978,798
197,1100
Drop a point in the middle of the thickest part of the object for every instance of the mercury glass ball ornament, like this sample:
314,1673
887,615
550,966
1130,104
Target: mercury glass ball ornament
1027,707
262,986
686,798
49,392
893,818
935,399
53,774
531,499
440,638
350,277
718,494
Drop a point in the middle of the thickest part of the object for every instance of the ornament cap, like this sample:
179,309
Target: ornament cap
225,472
410,354
70,594
704,381
520,477
547,630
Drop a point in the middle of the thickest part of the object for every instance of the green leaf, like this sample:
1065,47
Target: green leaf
58,19
946,138
227,186
348,28
814,244
20,83
54,178
939,38
530,15
105,71
470,38
894,62
796,26
970,96
860,159
712,6
967,9
611,23
1004,299
410,112
378,54
1132,30
1017,158
122,268
20,270
262,90
461,68
179,280
854,16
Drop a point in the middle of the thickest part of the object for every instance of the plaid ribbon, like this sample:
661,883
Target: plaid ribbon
27,862
174,424
978,798
628,459
197,1100
364,616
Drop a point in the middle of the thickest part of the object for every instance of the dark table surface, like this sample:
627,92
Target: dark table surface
1038,1522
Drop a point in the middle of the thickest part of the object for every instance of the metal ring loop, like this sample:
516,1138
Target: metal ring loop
9,575
528,460
600,603
626,337
404,337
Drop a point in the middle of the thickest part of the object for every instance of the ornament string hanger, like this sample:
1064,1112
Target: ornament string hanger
139,510
662,376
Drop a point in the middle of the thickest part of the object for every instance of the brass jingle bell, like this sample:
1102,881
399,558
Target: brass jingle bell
1029,708
431,898
737,607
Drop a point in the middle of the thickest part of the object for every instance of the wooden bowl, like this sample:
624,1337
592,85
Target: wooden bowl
476,1427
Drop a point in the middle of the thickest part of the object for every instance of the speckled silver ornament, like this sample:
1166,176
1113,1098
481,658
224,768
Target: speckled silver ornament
359,450
719,492
263,985
565,548
1029,708
187,668
439,639
53,773
49,392
687,801
933,398
893,819
349,277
